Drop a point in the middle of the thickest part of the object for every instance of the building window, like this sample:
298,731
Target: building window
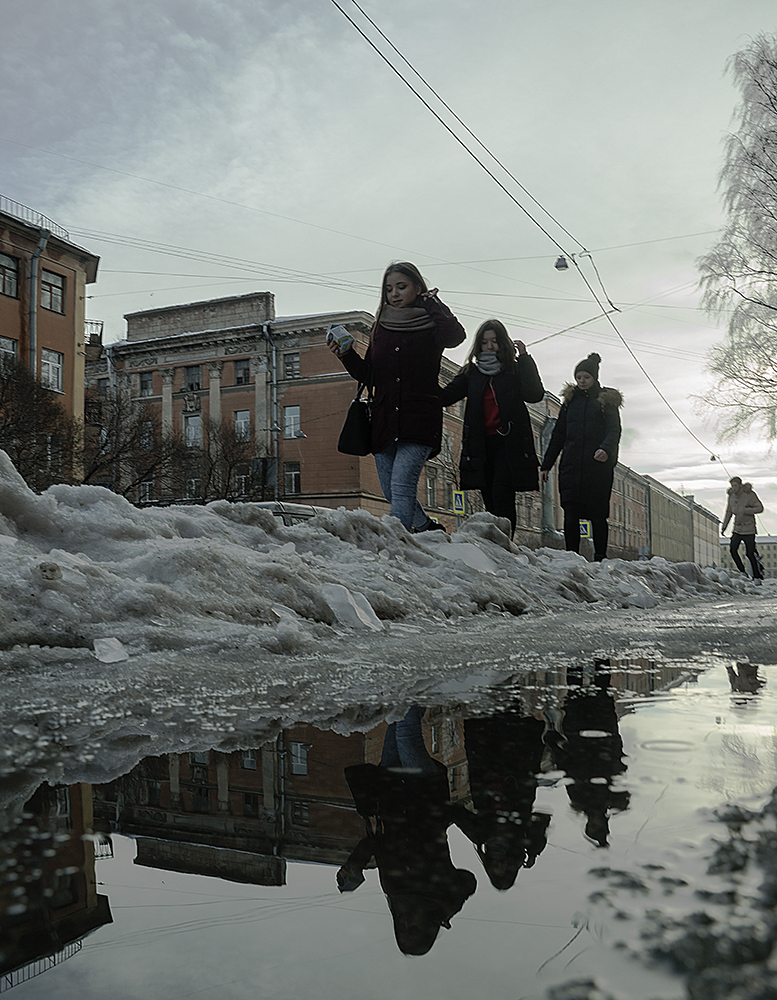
291,421
242,372
250,804
153,793
449,488
291,477
300,813
193,488
299,757
8,349
192,378
447,448
200,757
147,435
146,383
431,490
51,368
192,430
103,384
249,760
242,425
52,291
146,491
201,799
9,275
291,366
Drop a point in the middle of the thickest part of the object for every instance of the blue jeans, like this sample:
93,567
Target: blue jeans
404,747
399,469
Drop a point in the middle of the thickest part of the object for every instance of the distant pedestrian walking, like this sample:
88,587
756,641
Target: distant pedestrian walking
586,434
497,451
743,504
402,365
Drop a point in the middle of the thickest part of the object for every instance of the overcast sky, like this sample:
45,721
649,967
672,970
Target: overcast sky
214,147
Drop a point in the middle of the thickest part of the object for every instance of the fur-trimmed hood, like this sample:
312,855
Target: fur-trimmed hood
746,488
607,396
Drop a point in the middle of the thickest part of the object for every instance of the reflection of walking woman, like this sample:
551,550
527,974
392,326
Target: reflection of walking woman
497,452
412,329
587,433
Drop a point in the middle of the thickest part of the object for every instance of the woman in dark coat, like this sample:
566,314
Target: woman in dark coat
586,434
497,451
402,364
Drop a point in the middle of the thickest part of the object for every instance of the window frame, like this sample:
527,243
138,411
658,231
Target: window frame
292,475
191,384
49,366
9,274
241,371
298,757
191,420
11,351
242,427
52,293
292,422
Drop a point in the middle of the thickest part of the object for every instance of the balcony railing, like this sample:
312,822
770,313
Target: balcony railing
31,217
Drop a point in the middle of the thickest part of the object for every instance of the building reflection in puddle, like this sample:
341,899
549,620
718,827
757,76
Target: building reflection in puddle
384,799
48,891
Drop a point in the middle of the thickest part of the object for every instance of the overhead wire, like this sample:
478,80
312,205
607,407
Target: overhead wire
606,313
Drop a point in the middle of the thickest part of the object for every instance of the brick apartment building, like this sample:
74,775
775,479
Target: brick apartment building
232,363
43,279
275,383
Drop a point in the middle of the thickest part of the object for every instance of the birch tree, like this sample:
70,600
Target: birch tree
739,273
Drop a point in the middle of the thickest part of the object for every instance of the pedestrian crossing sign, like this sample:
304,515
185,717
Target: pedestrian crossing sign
458,501
585,529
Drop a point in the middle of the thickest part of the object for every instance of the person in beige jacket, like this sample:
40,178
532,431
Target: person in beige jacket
743,504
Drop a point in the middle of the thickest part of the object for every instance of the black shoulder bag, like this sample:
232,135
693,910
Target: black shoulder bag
356,435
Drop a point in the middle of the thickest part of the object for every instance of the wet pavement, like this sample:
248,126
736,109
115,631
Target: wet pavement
587,828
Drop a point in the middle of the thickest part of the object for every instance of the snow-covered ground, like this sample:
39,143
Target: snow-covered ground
81,564
146,631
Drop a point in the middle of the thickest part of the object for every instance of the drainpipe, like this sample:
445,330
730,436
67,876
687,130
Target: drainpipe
44,238
275,428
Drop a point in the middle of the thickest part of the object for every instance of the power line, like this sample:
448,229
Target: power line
607,313
463,124
447,127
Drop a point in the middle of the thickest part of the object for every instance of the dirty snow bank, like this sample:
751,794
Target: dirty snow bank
79,564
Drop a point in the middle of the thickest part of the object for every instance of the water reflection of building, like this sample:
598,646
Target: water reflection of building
241,815
48,889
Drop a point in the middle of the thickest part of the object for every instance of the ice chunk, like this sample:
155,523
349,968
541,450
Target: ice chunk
471,555
350,609
110,650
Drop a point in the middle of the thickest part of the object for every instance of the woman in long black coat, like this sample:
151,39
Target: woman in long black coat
586,434
497,451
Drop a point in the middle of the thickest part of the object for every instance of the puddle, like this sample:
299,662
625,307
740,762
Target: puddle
607,823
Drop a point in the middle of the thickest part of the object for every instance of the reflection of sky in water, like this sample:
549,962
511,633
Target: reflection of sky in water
687,751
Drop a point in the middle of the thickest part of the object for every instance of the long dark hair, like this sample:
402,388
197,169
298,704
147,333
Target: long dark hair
505,350
410,271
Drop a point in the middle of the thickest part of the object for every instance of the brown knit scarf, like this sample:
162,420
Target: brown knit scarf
407,320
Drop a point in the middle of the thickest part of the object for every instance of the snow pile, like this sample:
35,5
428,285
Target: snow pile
80,565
